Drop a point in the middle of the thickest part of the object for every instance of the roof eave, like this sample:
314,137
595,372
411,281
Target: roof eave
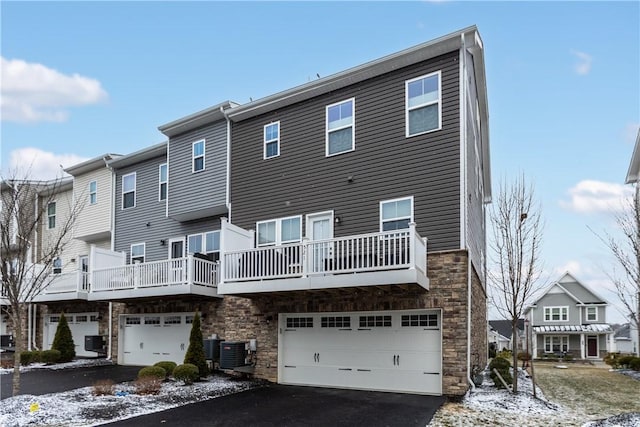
139,156
196,120
91,164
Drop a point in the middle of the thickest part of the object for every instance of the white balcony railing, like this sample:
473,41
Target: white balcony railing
74,281
165,273
371,252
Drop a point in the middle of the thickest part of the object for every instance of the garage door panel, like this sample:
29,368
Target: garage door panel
80,324
150,338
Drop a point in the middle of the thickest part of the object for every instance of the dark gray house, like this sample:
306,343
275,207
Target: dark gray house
366,192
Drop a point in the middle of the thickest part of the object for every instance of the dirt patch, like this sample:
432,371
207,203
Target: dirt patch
594,391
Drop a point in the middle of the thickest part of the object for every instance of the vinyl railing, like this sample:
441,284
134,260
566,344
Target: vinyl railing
74,281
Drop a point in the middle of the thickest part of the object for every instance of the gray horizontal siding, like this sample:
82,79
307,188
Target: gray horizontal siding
203,190
385,164
130,224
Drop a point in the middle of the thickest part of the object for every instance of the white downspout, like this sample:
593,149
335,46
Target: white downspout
34,322
228,173
29,333
110,330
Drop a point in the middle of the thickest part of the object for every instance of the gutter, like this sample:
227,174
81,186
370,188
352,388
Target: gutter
228,172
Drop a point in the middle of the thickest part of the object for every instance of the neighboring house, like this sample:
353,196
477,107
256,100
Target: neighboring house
569,318
496,340
633,177
502,328
91,193
366,190
625,339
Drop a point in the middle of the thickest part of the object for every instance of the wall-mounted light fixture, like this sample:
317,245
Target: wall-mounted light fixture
163,242
148,223
337,220
350,178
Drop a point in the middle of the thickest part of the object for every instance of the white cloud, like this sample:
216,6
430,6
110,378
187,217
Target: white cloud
583,65
589,196
32,92
33,163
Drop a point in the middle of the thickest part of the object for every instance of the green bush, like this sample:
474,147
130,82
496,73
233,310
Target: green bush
50,356
505,354
613,360
624,361
153,372
568,357
635,364
29,357
502,365
63,341
195,352
186,373
168,366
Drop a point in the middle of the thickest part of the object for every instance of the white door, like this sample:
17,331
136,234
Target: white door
80,324
396,351
176,252
84,271
149,338
320,227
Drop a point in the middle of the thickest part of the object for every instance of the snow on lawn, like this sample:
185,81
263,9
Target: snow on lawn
80,407
487,405
80,363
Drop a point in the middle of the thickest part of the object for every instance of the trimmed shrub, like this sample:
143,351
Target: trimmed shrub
195,352
505,354
153,372
613,360
624,361
148,385
524,356
103,388
50,356
187,373
29,357
63,341
635,364
168,366
502,365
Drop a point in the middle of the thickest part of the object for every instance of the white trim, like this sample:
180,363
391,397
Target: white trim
271,141
562,338
194,157
160,182
54,216
411,218
597,338
278,230
550,308
203,242
144,252
134,191
93,193
463,141
407,109
352,125
177,239
309,218
586,314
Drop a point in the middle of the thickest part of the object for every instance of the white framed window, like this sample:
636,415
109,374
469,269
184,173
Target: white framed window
51,215
556,314
279,231
162,182
57,265
556,343
341,127
93,192
396,214
129,190
272,140
205,243
137,252
198,156
592,314
423,104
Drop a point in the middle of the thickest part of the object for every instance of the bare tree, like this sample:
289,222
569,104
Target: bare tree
515,252
27,259
626,252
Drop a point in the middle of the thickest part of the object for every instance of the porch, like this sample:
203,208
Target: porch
372,259
588,341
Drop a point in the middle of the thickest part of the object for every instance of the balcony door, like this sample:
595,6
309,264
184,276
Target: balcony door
176,255
320,227
84,271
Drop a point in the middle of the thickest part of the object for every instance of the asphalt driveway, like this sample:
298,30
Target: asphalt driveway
279,405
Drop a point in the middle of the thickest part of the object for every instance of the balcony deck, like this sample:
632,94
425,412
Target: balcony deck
374,259
65,287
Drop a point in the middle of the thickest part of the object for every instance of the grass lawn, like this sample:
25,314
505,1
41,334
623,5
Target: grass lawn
587,389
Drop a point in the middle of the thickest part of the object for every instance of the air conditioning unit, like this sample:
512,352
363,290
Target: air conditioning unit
212,349
95,343
6,341
232,354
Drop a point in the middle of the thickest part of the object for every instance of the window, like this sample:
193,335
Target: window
272,140
151,320
556,344
93,192
205,243
335,322
556,314
131,320
299,322
81,319
57,265
420,320
173,320
162,180
51,215
198,156
137,253
279,231
396,214
54,319
592,314
423,99
340,126
375,321
129,190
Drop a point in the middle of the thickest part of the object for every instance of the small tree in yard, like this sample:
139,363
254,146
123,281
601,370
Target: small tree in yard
195,352
63,341
515,248
25,210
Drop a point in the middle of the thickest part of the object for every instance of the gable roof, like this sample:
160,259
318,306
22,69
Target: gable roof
91,164
139,156
561,283
503,327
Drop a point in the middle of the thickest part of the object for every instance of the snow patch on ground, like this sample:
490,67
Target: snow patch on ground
80,407
80,363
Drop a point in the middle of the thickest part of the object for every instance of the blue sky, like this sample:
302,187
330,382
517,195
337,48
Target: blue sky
83,78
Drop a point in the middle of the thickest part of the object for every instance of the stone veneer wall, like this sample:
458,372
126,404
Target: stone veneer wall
102,308
479,339
257,317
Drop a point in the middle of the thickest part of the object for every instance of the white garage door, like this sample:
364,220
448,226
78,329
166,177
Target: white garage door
81,324
149,338
387,351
